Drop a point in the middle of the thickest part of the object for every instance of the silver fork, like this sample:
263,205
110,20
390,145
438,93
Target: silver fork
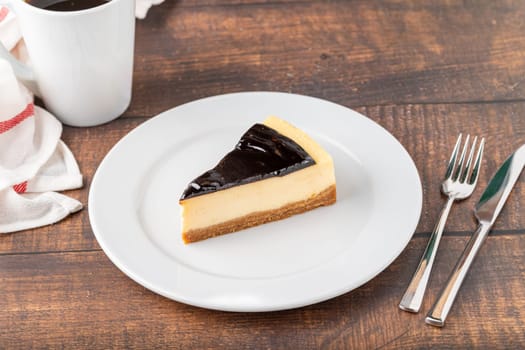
459,183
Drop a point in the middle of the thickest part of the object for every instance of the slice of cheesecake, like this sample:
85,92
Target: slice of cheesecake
275,171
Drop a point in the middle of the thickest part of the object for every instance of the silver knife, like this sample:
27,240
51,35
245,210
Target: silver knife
486,211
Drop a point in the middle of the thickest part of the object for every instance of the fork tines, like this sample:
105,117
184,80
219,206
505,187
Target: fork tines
458,169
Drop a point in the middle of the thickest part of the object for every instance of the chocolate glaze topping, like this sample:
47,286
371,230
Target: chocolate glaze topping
261,153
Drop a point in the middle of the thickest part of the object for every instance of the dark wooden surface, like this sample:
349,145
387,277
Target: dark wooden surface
424,70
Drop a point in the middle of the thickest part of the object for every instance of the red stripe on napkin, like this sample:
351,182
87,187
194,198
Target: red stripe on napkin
21,187
17,119
3,13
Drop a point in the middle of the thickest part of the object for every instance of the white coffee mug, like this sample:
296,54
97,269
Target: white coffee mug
81,61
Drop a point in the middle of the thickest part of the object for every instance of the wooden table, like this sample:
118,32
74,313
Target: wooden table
424,70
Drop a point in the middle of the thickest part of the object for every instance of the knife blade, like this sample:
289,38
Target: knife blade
486,211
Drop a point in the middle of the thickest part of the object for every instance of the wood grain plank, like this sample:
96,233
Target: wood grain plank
351,52
427,132
80,300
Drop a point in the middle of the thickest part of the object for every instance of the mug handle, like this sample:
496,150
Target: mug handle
21,70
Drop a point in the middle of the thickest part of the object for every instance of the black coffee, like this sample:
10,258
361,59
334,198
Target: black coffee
66,5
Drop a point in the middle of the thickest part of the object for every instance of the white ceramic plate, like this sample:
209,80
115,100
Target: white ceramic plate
308,258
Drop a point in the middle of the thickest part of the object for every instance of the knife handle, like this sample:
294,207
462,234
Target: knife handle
438,314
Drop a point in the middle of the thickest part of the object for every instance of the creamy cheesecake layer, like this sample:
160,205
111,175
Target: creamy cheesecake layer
326,197
265,195
213,208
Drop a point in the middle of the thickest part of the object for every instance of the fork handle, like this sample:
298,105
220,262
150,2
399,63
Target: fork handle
413,297
438,314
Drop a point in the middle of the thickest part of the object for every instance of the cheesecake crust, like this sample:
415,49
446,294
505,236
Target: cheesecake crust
326,197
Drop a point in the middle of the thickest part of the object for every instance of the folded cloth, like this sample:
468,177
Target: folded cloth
34,162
